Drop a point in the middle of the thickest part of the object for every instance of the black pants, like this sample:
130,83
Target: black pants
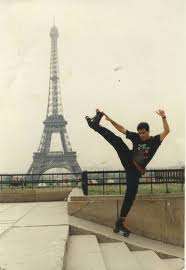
132,174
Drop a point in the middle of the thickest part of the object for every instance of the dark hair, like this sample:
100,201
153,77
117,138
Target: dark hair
143,125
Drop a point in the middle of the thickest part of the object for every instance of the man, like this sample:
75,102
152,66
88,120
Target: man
134,161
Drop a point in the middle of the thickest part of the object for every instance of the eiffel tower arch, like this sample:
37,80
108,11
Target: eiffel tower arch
44,159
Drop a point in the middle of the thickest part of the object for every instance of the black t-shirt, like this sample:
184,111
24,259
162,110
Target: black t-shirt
143,151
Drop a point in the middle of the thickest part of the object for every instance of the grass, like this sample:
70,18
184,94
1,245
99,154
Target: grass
108,189
142,189
30,189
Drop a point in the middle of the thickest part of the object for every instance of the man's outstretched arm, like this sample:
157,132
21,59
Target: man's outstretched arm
119,127
165,124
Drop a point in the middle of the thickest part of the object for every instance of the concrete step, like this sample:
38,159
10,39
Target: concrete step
117,256
149,260
135,242
83,253
175,264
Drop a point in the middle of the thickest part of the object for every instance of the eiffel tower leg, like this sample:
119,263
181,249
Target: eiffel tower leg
75,168
30,169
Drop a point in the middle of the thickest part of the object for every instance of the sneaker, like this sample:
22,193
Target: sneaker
124,231
94,121
120,227
89,121
98,116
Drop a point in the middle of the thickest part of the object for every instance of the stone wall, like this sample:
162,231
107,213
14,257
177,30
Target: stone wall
34,195
159,217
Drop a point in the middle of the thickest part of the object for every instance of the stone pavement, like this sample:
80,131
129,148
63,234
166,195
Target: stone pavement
33,235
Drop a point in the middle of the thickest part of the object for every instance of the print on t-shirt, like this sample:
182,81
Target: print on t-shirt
143,152
145,149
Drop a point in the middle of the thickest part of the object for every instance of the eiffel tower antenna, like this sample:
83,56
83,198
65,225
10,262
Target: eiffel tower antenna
43,159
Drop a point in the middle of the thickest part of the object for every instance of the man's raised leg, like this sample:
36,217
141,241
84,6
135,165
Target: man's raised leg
112,138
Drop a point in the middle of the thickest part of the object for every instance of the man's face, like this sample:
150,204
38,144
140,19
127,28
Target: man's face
144,134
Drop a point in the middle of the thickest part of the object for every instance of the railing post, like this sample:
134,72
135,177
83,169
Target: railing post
103,182
32,181
85,182
167,178
119,183
182,179
151,190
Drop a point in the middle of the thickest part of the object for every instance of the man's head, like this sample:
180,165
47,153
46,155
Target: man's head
143,131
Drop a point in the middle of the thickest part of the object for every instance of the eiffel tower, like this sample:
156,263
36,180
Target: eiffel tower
44,159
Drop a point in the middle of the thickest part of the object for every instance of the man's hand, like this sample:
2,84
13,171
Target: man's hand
165,124
106,117
161,113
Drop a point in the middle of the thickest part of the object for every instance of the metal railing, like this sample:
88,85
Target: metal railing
117,179
52,180
93,181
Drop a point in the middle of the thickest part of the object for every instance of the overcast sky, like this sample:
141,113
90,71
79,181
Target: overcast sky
124,57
